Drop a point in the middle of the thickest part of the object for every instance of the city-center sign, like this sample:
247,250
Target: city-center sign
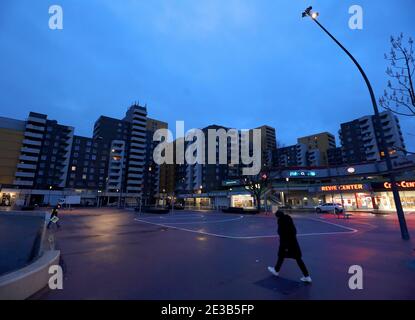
302,174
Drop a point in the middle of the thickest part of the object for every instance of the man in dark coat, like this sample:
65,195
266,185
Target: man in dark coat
54,217
289,247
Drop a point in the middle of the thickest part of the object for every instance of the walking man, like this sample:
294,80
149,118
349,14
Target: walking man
289,247
54,217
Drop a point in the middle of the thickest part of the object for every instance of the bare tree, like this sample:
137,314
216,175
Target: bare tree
399,97
258,185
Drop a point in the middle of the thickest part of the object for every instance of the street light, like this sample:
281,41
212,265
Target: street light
351,170
385,150
50,190
288,190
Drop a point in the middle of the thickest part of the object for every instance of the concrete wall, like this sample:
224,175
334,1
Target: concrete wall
23,283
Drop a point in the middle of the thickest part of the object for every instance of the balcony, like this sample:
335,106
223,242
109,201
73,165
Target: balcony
30,150
133,189
117,151
140,116
134,181
136,163
136,170
25,174
135,157
22,183
135,175
138,128
37,120
33,135
136,139
138,146
35,128
28,158
32,142
26,166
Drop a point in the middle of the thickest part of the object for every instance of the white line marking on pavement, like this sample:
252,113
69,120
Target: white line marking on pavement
181,217
203,222
335,224
350,230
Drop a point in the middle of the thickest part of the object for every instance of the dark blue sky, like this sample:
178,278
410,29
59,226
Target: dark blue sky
238,63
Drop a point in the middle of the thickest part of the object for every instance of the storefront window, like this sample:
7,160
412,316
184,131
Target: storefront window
364,201
203,202
242,201
385,201
348,200
408,199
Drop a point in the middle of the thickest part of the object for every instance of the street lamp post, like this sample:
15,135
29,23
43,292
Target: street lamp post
288,191
50,190
385,150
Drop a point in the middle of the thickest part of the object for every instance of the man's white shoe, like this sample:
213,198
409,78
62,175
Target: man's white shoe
272,270
306,279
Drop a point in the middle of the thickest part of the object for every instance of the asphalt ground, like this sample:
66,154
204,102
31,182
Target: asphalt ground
116,254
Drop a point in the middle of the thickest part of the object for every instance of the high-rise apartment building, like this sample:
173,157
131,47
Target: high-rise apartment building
113,137
317,146
209,177
268,142
130,167
360,138
155,176
290,156
137,117
335,156
45,154
87,165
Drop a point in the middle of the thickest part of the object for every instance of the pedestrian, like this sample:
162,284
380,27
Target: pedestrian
54,217
289,247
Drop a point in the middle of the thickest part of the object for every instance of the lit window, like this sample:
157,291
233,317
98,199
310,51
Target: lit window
73,168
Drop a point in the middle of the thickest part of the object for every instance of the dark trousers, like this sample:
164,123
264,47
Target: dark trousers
51,223
300,263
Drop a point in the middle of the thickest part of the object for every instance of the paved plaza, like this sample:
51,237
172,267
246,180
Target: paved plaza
118,254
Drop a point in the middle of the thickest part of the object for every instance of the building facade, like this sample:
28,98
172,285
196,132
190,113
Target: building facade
290,156
155,176
11,140
317,146
335,156
268,143
209,177
45,154
87,165
360,138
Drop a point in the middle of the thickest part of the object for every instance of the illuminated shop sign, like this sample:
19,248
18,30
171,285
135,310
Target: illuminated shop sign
299,174
344,187
229,183
402,185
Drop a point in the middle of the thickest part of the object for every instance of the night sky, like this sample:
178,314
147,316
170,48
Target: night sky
238,63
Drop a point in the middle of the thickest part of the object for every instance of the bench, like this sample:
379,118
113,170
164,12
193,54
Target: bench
345,215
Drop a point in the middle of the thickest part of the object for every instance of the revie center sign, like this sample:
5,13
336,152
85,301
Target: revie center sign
344,187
